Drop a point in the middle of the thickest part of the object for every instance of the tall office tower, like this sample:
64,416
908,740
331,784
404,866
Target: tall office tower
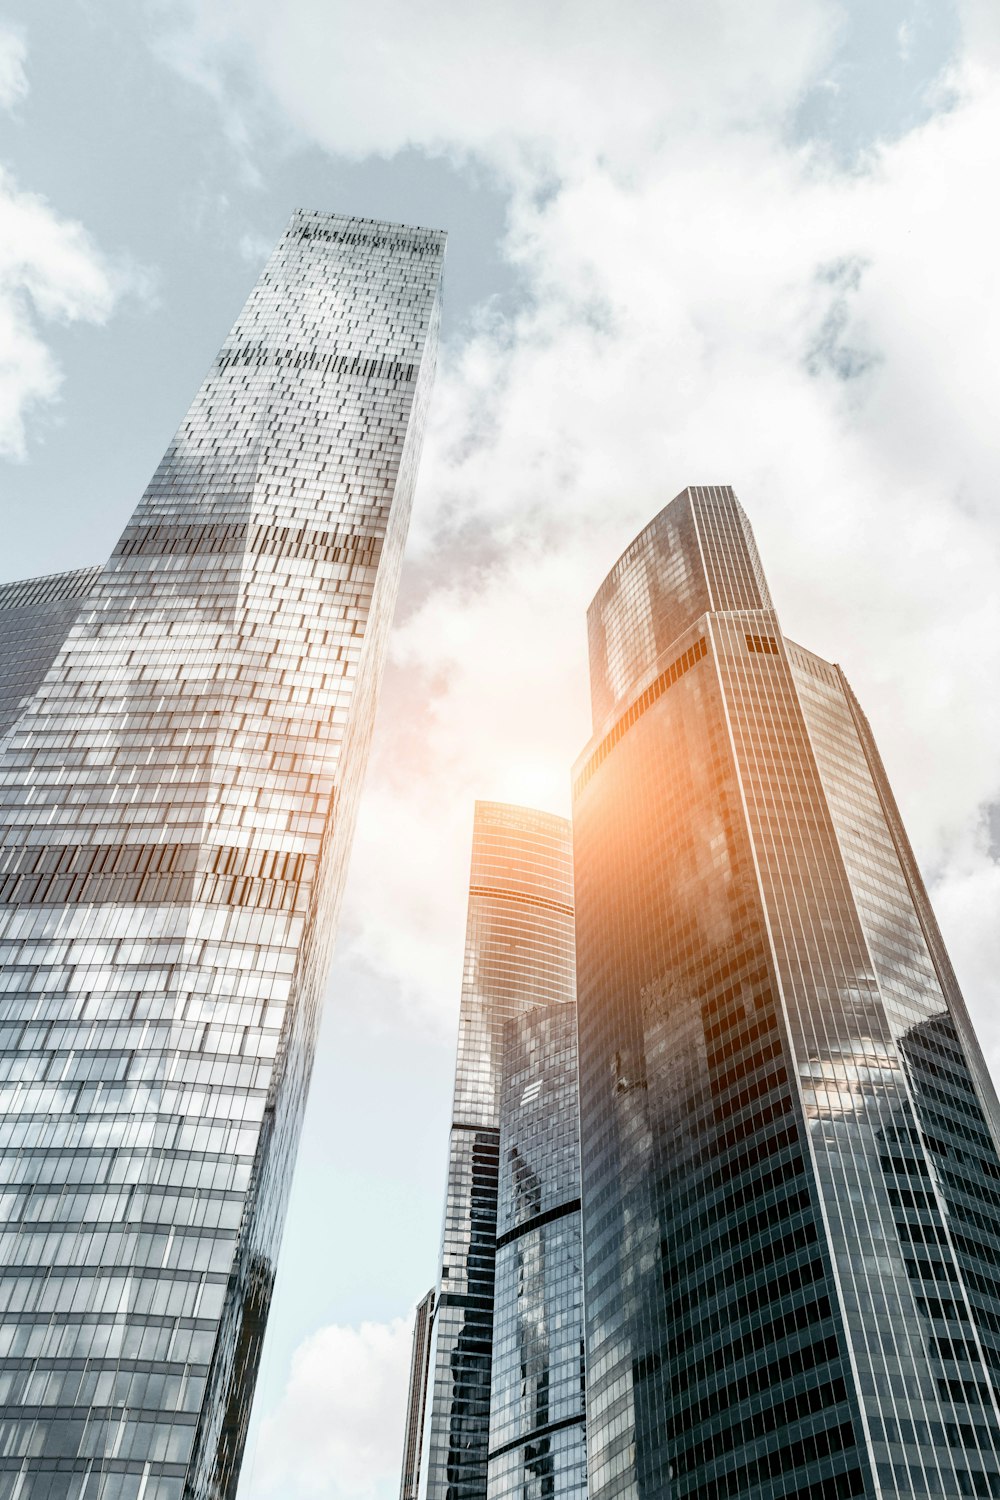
177,800
416,1405
791,1183
518,955
538,1439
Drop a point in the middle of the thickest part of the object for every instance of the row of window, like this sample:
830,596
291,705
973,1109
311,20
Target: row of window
758,1424
786,1326
791,1365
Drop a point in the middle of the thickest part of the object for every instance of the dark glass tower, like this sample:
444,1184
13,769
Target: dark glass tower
186,731
518,957
791,1182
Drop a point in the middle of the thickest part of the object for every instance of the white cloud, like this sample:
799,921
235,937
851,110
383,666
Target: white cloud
981,21
967,902
676,323
50,272
521,84
706,301
337,1432
13,78
255,248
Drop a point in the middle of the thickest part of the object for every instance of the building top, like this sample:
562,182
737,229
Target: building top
697,555
35,617
522,850
373,234
340,299
48,588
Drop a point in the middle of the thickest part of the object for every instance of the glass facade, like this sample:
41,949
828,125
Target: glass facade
35,616
178,790
416,1403
537,1430
790,1174
518,956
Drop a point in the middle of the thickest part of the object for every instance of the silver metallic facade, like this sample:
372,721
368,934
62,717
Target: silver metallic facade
518,956
35,617
791,1182
177,800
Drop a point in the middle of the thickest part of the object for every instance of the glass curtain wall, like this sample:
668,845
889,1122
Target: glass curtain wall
178,787
790,1207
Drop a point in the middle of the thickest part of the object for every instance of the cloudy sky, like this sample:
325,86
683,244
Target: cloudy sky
714,243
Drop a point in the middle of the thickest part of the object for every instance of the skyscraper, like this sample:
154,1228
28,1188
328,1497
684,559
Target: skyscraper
538,1438
791,1182
416,1405
178,789
518,958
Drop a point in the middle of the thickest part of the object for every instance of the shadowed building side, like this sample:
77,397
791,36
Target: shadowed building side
35,618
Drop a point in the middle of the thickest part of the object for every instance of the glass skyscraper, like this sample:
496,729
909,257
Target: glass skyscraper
416,1405
504,1387
790,1173
186,731
538,1439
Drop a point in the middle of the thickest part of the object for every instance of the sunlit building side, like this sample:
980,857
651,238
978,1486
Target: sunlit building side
186,733
790,1174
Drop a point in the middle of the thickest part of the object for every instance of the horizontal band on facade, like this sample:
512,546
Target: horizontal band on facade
382,237
562,1211
259,356
635,712
162,890
538,1432
134,1467
152,875
461,1299
177,539
496,893
140,859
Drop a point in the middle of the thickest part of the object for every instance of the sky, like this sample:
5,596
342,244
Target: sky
719,243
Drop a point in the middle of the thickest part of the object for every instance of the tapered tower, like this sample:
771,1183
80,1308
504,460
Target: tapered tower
791,1183
178,785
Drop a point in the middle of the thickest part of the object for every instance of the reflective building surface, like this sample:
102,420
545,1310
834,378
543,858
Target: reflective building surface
416,1404
518,956
178,785
790,1174
538,1440
35,617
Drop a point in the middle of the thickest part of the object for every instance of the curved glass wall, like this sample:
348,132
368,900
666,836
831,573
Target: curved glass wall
787,1130
518,956
537,1427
